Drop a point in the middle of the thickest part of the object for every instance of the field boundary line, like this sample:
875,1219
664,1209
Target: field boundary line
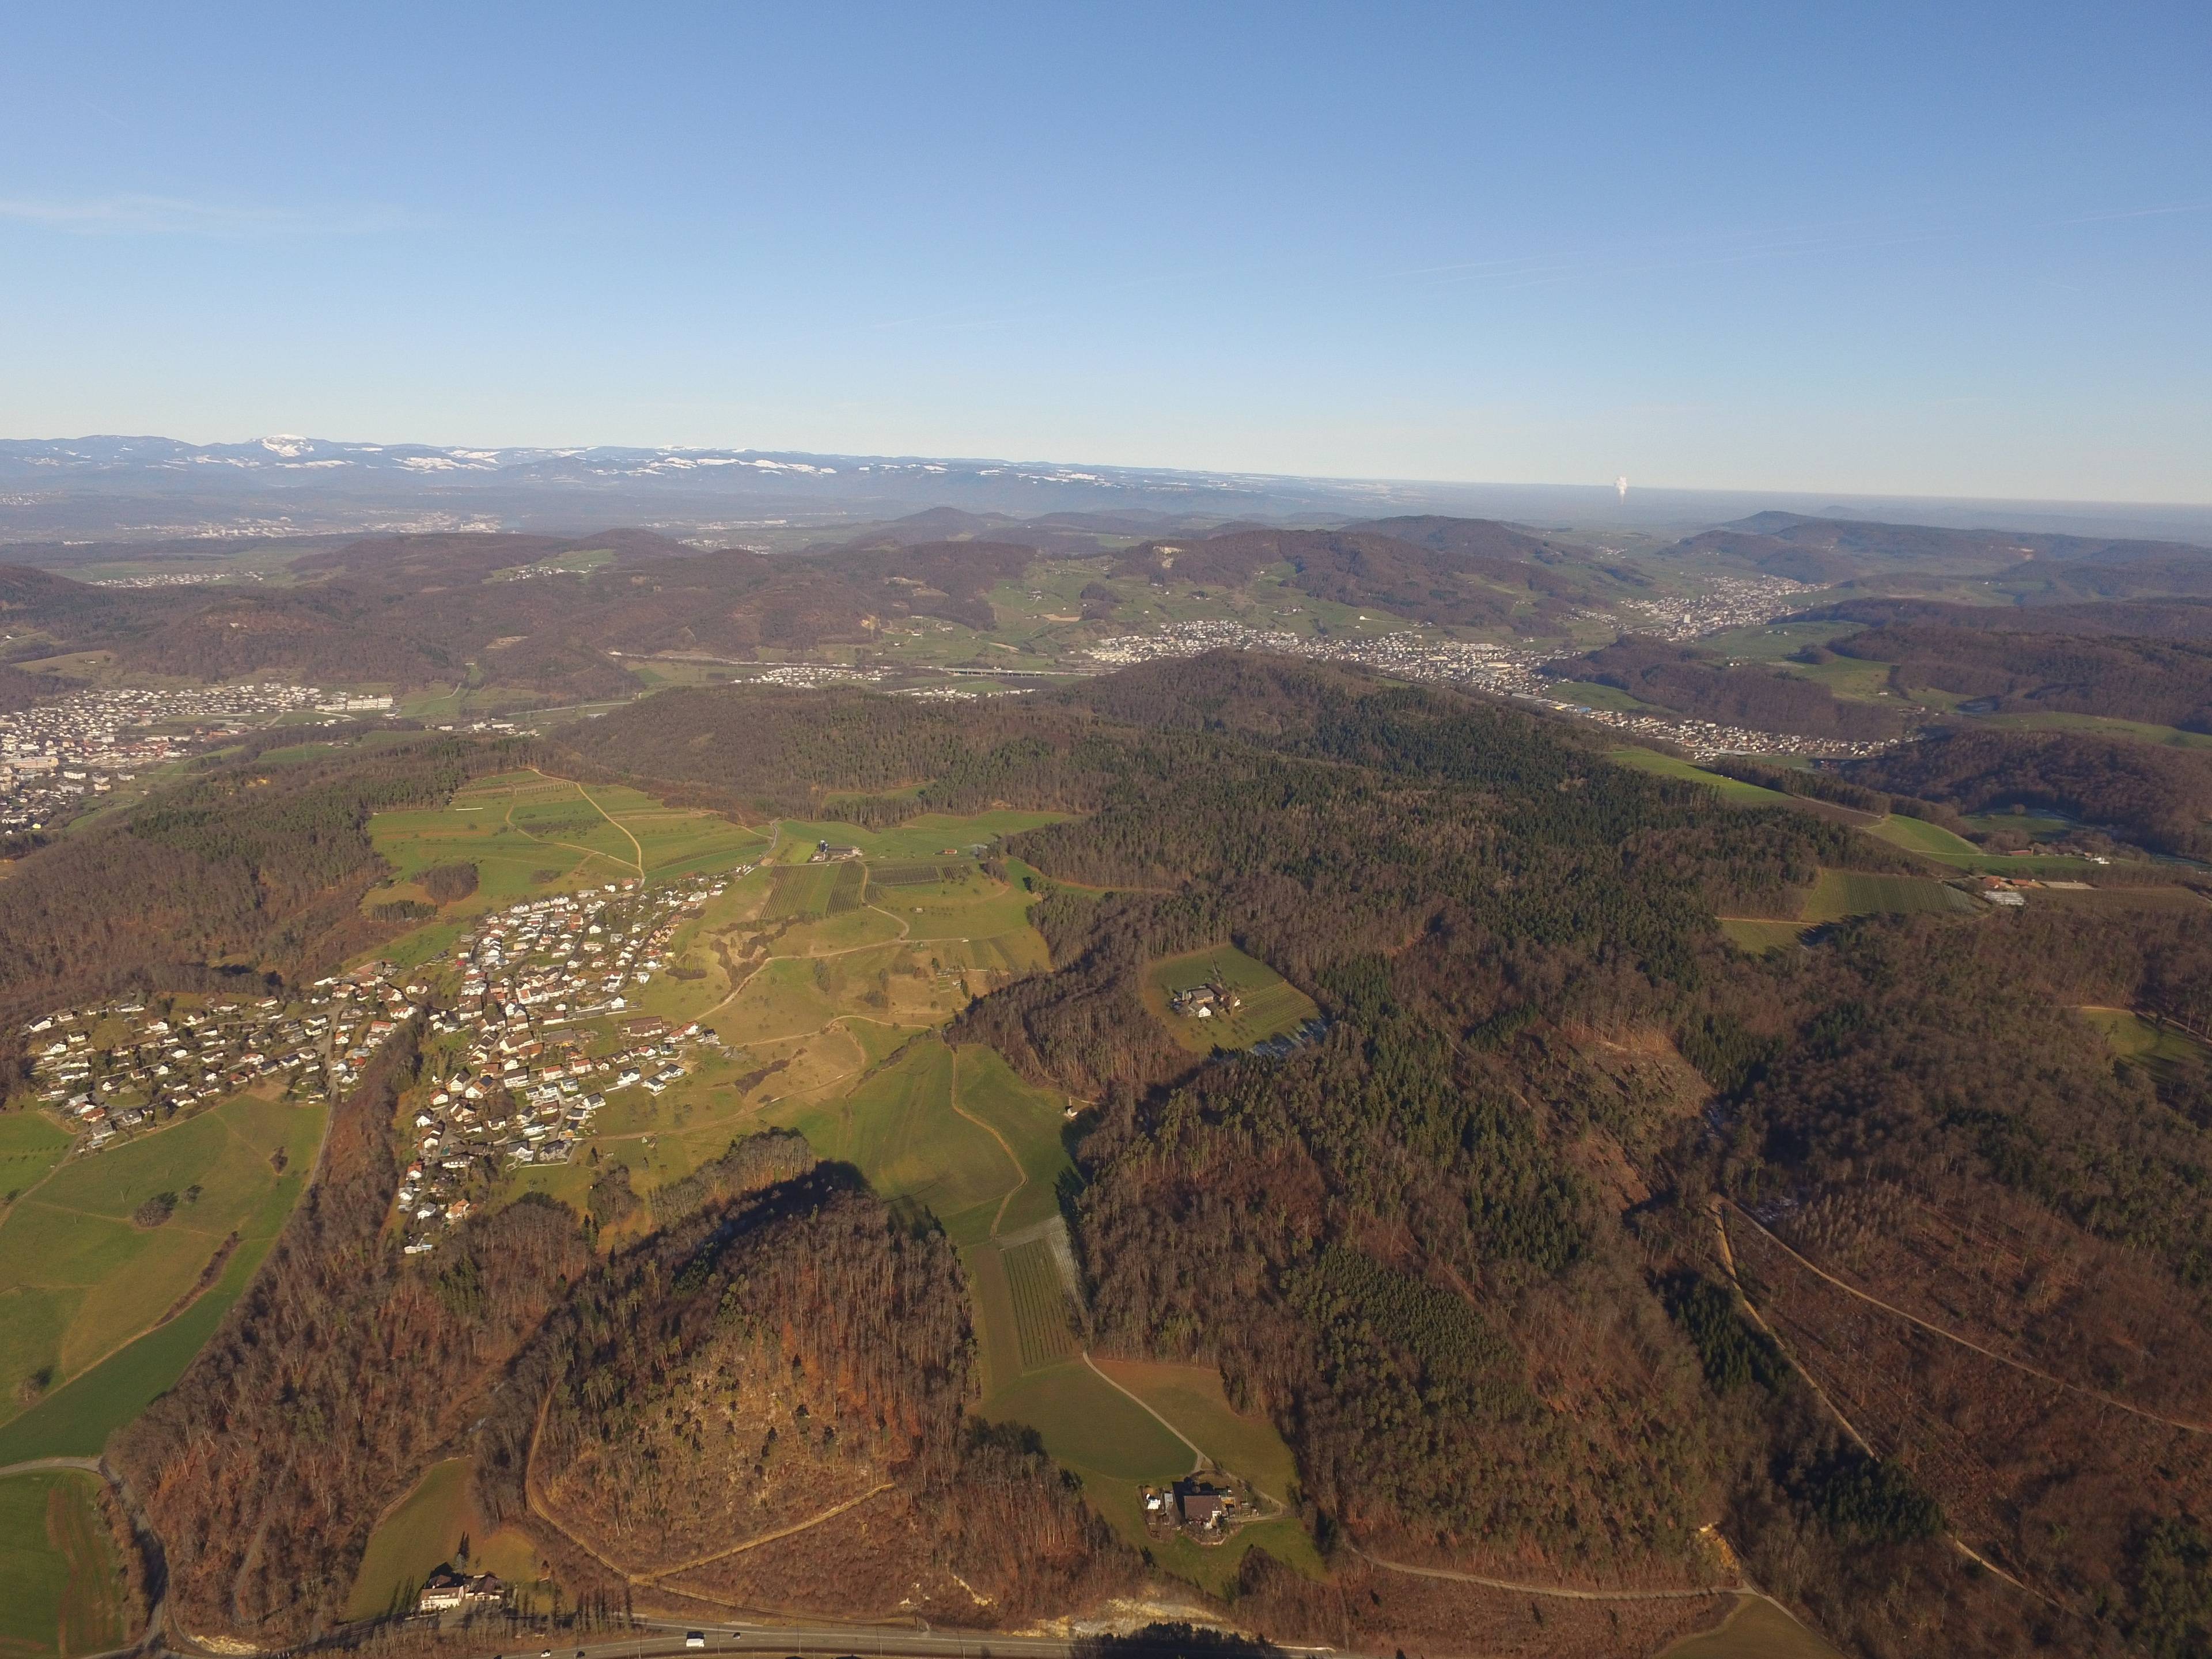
636,846
953,1099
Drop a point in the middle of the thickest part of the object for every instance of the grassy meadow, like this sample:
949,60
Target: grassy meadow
1918,835
438,1523
529,835
1670,766
61,1588
1754,1629
81,1282
1844,893
1270,1005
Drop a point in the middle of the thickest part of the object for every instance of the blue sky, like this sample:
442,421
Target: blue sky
1947,249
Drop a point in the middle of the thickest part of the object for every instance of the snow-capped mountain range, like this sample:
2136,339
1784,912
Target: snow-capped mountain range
145,489
282,461
129,487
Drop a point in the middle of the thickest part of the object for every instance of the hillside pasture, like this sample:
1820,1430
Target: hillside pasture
900,1129
430,1527
2167,1053
1089,1426
1683,771
1027,1122
1193,1399
1918,835
1757,936
81,1281
31,1145
1270,1005
1754,1629
76,1419
1840,893
63,1592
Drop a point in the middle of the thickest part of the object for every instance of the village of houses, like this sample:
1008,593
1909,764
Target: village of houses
538,1009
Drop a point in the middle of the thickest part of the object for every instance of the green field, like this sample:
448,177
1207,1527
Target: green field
62,1586
1754,1629
1852,678
76,1419
1114,1446
1192,1398
2161,1050
2140,731
1270,1005
2028,824
80,1281
1918,835
1087,1426
1041,1318
1842,893
1027,1120
899,1129
1839,894
988,1152
1750,933
1774,642
432,1527
1591,695
1670,766
30,1147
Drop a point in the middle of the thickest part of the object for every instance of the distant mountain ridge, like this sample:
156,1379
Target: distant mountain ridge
1821,550
145,488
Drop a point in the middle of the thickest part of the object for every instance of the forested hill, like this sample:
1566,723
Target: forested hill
1826,549
1475,1248
2161,682
539,613
1467,572
1698,684
1460,1250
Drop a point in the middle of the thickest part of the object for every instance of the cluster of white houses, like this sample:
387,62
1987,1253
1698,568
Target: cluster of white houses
542,1030
125,1068
536,1028
56,756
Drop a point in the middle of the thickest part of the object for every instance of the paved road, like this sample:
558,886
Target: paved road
664,1639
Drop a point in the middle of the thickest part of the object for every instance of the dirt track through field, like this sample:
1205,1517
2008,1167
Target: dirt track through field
1200,1462
636,846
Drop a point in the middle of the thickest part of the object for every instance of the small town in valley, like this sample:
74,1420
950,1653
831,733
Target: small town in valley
525,1029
